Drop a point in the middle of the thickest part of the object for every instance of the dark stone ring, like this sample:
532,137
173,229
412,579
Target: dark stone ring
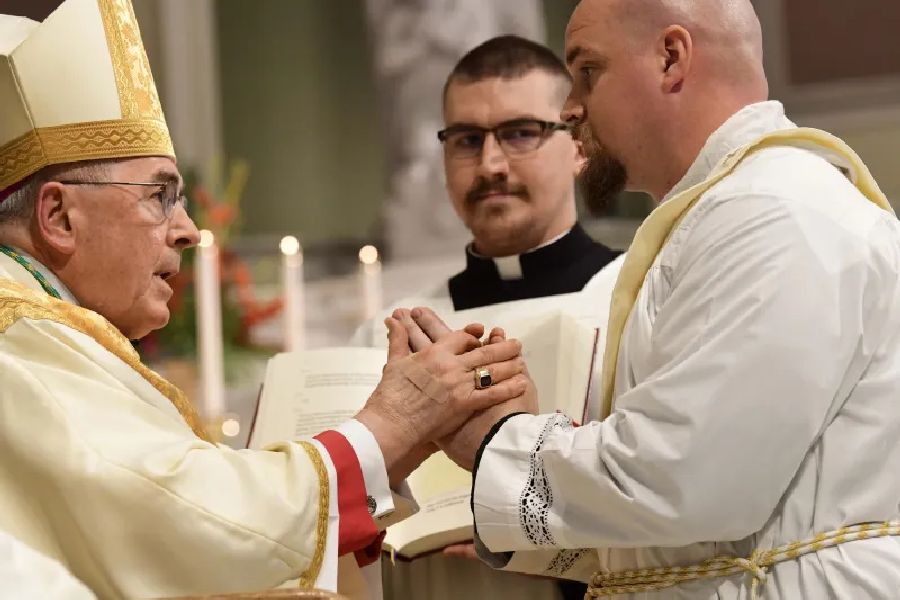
483,379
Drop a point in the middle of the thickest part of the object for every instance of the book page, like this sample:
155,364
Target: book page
307,392
442,490
576,363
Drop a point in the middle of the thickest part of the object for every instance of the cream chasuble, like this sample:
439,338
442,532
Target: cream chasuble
26,574
103,464
755,394
101,471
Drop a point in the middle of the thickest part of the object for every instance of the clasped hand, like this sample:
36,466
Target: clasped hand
428,395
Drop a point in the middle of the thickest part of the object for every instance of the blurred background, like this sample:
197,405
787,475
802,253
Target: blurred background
317,119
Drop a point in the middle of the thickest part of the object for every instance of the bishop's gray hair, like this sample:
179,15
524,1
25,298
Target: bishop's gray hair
18,207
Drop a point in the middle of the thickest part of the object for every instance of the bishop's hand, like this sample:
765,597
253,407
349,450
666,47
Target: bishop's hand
429,394
424,328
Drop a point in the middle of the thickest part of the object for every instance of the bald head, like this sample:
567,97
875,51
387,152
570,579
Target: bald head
655,78
726,31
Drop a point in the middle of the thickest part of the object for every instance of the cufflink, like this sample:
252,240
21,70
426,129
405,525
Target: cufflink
370,502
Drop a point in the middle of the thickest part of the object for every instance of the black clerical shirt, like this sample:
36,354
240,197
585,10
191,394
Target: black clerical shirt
561,267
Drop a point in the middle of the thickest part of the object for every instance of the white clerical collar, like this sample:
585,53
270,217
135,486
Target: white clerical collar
510,267
51,277
742,128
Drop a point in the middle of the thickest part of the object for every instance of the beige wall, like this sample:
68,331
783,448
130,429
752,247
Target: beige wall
861,101
877,141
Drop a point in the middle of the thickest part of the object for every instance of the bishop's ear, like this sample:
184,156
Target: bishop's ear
53,216
674,52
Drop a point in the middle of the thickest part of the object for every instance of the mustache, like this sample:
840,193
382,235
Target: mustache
581,132
483,187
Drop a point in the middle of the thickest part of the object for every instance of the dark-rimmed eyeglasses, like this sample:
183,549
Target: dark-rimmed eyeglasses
167,192
516,137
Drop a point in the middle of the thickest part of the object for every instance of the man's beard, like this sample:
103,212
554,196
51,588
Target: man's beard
603,177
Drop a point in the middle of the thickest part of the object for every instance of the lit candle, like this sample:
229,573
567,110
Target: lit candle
294,301
370,281
209,326
231,426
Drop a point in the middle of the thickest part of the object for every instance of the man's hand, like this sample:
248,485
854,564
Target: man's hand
423,328
466,550
428,395
462,445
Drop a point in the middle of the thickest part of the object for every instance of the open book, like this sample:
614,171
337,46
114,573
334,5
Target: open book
307,392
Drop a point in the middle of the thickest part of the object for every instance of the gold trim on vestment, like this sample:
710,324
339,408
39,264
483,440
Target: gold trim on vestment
19,302
309,577
118,138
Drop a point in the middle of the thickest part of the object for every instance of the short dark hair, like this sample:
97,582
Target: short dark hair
506,57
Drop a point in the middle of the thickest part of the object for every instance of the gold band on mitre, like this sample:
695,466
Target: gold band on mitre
84,141
76,87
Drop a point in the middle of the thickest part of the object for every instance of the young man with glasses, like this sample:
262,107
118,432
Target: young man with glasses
511,167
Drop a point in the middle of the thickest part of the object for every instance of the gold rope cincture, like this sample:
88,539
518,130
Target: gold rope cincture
654,232
757,566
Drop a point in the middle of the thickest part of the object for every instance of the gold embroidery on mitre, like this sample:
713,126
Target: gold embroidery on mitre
116,138
20,158
137,91
141,130
309,577
19,302
105,139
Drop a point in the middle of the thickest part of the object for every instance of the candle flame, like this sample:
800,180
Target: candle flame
368,255
206,238
289,245
231,427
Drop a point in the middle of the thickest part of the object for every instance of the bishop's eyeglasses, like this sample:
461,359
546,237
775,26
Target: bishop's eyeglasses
516,138
167,192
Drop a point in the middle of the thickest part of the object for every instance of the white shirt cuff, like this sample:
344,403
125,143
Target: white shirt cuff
504,471
371,461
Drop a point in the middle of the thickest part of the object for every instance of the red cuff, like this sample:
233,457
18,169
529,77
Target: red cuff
356,527
370,553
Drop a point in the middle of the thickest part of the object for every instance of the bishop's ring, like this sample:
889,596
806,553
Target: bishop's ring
483,379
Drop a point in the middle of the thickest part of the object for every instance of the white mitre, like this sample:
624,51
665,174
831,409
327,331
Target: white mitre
76,87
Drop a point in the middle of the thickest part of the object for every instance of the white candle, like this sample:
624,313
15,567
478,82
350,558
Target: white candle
209,326
370,281
292,288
